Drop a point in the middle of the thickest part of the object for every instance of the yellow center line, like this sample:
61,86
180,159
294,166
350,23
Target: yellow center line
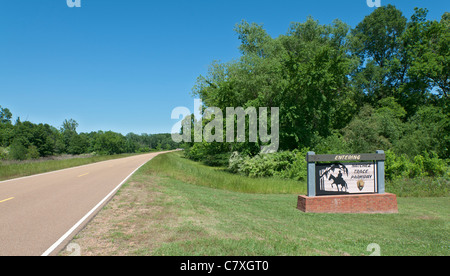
83,175
6,199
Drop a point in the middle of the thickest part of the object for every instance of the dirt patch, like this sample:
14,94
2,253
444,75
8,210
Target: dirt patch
140,218
129,224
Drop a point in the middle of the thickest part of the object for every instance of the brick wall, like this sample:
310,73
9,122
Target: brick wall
371,203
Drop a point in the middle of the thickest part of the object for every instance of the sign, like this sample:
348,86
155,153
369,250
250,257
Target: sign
346,157
348,178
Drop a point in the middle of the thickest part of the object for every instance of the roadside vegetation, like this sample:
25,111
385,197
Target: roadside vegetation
21,141
15,169
382,85
169,208
177,167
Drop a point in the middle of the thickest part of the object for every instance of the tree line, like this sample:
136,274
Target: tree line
383,84
26,140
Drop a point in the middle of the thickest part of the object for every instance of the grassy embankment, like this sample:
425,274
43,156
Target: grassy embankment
173,206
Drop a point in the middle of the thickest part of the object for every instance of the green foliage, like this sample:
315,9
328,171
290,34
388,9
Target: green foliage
4,153
302,73
321,76
32,152
213,154
382,85
17,151
173,165
419,187
25,140
401,166
429,47
5,115
286,164
109,143
427,130
333,144
374,128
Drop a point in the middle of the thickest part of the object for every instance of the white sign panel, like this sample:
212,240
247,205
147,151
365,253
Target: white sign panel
348,178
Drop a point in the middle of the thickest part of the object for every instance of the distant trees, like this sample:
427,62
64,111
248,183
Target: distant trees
25,140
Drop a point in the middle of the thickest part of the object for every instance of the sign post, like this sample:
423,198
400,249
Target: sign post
347,183
380,174
311,176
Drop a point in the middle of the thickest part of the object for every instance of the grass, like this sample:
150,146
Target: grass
27,168
420,187
167,208
177,167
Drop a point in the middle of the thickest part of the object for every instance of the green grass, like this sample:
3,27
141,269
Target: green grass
177,167
167,208
420,187
27,168
216,222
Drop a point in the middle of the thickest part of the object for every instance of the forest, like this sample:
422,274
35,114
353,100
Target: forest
382,85
26,140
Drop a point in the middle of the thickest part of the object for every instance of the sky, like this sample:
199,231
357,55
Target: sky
124,65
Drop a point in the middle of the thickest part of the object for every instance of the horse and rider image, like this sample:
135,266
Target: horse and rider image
349,178
338,181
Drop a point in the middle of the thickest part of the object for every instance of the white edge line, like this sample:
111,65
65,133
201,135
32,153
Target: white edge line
71,230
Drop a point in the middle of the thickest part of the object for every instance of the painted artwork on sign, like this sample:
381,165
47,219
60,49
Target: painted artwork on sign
348,178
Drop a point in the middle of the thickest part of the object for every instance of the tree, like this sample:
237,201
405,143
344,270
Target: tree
69,125
17,150
109,143
429,43
5,115
304,73
72,143
377,42
78,144
427,131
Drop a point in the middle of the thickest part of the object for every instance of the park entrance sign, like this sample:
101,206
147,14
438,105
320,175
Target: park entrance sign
341,178
347,183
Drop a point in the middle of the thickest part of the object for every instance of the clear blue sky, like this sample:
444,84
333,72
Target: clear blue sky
123,65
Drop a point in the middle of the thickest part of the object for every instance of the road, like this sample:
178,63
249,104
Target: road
40,214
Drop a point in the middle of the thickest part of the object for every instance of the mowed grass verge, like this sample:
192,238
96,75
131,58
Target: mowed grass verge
169,208
175,166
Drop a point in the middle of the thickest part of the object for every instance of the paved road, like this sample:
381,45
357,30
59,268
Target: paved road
37,211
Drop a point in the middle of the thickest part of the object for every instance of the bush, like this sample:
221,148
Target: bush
286,164
217,160
212,154
4,153
297,169
401,166
32,152
18,151
293,165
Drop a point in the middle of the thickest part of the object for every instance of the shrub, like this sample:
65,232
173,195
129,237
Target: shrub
32,152
18,151
217,160
234,162
297,169
4,153
400,166
286,164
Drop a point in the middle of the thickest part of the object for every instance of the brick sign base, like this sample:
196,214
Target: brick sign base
367,203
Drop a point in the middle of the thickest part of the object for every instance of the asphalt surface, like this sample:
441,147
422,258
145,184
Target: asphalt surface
36,212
